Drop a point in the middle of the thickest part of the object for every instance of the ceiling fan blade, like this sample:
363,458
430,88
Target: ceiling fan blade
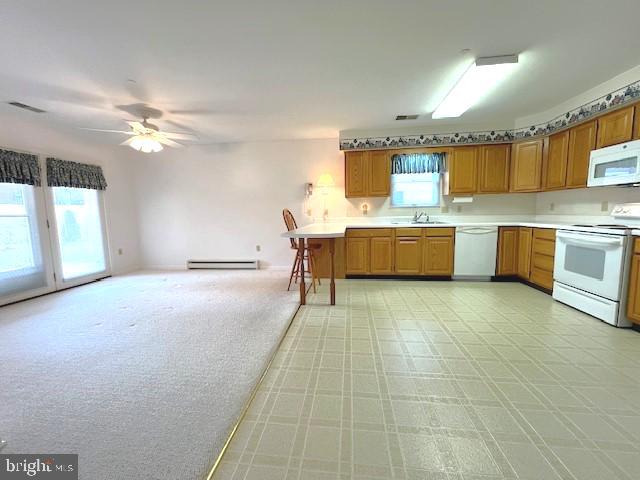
179,136
193,111
137,126
166,141
128,141
108,131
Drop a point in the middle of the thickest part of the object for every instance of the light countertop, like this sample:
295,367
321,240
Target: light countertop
337,228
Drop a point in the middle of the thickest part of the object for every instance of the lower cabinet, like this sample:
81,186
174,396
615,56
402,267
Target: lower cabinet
507,251
381,260
437,256
633,301
357,255
400,251
408,255
525,237
528,253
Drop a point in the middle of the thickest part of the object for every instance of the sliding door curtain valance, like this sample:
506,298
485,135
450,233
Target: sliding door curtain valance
418,163
63,173
16,167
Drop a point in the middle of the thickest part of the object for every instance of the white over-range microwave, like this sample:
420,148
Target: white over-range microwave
615,165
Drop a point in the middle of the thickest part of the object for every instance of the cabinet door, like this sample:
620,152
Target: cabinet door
463,170
636,123
438,256
525,236
526,166
379,174
381,260
408,255
508,251
633,302
555,162
355,174
493,169
582,139
615,127
358,255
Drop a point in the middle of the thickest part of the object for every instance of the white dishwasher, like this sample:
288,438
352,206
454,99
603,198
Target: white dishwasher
475,253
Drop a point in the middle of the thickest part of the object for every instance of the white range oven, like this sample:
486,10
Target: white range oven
591,271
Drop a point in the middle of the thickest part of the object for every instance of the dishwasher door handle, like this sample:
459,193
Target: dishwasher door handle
476,230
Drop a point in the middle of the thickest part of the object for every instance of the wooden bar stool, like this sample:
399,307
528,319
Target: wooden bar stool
309,255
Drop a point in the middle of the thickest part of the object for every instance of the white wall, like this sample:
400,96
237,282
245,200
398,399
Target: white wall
220,201
26,131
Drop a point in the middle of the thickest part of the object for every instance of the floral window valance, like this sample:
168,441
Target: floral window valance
63,173
418,163
18,167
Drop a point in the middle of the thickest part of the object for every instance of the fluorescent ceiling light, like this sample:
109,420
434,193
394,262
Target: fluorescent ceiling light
145,143
479,79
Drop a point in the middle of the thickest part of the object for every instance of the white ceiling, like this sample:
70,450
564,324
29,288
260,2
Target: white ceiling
257,70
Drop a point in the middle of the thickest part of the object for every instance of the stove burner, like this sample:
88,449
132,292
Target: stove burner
615,226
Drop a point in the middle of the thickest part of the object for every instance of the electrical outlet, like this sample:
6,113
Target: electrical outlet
552,207
604,206
119,251
257,248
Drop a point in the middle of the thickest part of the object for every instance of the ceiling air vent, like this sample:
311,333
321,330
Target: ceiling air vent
407,117
24,106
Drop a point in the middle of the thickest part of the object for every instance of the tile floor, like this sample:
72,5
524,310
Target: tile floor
443,380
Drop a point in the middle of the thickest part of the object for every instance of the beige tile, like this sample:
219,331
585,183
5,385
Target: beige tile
420,451
276,440
473,456
367,410
323,443
583,464
527,461
370,448
327,407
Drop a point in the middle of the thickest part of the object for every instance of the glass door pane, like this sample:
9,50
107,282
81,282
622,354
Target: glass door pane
79,231
21,258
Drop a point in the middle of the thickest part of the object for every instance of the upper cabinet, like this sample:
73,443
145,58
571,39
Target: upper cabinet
367,174
493,168
526,166
615,127
555,161
582,139
463,168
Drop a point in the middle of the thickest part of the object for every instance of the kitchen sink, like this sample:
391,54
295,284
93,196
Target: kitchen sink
410,222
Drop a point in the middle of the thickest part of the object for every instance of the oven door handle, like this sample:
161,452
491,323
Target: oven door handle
592,241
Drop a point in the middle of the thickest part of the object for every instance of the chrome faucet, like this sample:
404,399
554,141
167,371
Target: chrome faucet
417,217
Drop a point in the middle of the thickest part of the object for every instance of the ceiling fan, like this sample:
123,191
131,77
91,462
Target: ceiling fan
147,137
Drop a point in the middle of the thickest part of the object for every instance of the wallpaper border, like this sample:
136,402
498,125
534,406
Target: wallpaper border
613,100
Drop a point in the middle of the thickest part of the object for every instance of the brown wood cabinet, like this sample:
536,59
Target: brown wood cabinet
381,261
555,161
526,166
367,174
323,258
542,257
379,174
493,168
463,170
636,123
408,255
582,139
615,127
507,251
525,238
357,253
633,300
437,256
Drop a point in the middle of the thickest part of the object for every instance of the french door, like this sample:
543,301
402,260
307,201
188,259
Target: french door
51,238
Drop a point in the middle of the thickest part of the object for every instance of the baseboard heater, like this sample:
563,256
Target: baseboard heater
223,264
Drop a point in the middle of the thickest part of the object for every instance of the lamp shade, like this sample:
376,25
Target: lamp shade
325,180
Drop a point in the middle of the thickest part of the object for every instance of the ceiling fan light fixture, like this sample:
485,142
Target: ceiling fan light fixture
145,143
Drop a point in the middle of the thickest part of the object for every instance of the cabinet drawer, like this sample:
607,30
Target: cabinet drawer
542,278
439,232
636,245
369,232
546,233
542,262
544,247
409,232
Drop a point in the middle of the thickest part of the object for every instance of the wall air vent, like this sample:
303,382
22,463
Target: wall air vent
407,117
24,106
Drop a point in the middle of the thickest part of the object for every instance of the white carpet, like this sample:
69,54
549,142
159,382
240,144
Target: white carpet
142,375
